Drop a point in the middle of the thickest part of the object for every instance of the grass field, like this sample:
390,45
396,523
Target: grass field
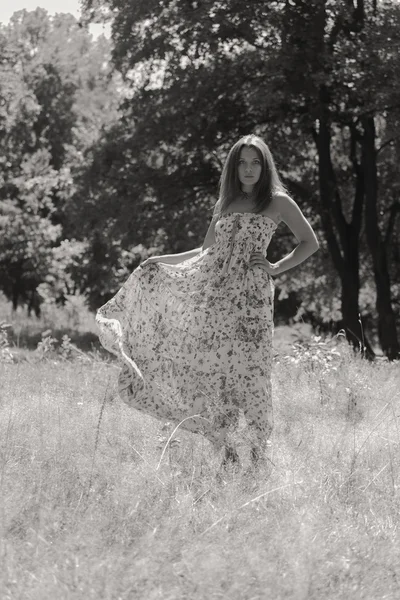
89,511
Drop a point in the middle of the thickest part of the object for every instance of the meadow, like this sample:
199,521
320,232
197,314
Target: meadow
96,504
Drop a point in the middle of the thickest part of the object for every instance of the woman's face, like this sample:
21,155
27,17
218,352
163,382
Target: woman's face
249,168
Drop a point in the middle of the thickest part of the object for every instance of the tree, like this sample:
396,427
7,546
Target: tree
350,63
200,74
26,231
56,93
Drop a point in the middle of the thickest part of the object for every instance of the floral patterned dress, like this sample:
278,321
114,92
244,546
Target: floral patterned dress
195,339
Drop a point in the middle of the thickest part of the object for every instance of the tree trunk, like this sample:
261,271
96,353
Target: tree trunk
34,303
350,313
15,295
342,237
387,331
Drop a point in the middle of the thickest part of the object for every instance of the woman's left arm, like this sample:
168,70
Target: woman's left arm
308,244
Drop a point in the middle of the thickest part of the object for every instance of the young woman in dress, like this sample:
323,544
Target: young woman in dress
194,330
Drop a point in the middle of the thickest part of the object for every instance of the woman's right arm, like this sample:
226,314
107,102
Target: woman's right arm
172,259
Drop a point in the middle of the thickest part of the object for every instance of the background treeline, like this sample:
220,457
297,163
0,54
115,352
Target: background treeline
111,150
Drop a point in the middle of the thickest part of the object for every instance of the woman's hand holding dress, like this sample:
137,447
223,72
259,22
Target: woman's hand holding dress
149,260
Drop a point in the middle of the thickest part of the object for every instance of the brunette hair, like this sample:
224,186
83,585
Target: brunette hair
229,184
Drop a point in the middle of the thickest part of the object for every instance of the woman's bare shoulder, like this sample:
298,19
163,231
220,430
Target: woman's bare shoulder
280,197
284,204
276,206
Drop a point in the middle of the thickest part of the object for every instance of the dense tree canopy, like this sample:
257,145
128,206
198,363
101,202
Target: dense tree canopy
56,95
316,80
116,147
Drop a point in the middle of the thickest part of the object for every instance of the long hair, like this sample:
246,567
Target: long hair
268,184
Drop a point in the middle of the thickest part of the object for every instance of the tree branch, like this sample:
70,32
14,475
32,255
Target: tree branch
376,110
394,139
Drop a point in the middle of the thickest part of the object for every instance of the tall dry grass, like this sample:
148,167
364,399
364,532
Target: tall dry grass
86,514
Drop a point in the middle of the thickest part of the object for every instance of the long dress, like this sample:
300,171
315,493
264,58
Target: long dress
195,339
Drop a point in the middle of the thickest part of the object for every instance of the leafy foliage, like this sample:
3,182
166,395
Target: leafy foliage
112,152
303,75
6,355
54,89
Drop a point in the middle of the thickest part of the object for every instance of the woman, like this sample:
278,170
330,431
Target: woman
194,330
